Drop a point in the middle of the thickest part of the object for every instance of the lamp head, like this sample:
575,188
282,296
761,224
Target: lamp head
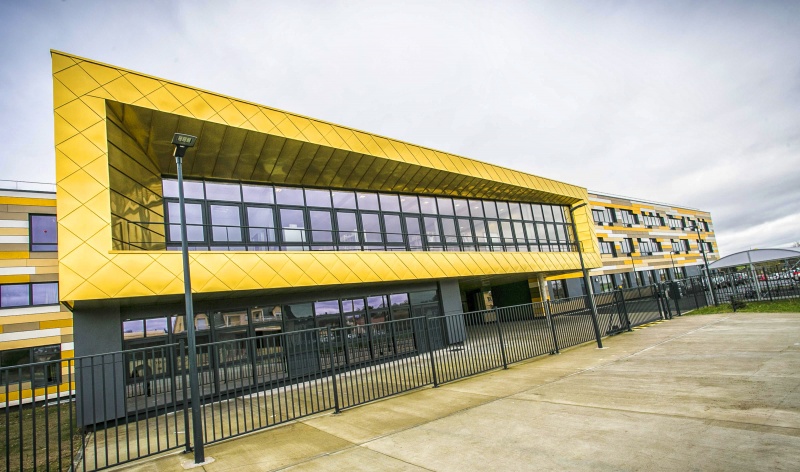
183,142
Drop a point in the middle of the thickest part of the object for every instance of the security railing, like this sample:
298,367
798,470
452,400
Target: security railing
91,413
757,285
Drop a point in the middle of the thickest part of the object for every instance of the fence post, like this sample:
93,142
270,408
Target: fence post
430,352
766,281
662,296
184,383
331,338
500,335
549,316
627,321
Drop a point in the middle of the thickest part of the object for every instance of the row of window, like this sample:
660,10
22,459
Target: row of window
275,319
28,294
627,217
288,218
40,375
368,201
608,282
649,246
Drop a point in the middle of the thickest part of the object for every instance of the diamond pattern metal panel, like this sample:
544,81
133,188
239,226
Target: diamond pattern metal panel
251,142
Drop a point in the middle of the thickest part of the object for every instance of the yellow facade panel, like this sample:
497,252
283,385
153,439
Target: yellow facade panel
90,269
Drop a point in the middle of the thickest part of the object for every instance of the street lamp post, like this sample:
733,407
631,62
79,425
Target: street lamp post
586,281
183,142
705,262
674,271
633,263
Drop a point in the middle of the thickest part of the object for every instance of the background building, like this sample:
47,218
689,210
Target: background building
33,325
641,243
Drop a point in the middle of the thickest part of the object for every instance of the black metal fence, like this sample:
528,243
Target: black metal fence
90,413
757,285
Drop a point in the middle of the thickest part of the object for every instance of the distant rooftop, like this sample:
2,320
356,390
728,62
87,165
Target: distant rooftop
641,200
27,186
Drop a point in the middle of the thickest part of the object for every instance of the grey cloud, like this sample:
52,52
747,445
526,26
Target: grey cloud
694,103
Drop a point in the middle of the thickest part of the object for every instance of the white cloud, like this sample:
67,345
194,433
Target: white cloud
684,102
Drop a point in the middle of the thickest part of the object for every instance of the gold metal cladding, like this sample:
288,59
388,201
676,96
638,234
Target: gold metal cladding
112,134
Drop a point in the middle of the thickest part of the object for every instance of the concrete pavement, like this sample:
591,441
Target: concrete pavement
716,392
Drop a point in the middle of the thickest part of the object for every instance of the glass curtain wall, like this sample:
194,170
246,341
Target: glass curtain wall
233,216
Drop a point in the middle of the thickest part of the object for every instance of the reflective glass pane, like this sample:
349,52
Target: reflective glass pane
527,213
541,233
537,212
14,295
348,228
194,222
519,232
508,236
432,229
367,201
480,231
461,207
298,316
327,314
342,199
132,329
476,208
516,211
45,294
224,192
191,189
445,206
289,196
465,230
394,232
425,303
226,223
409,203
489,209
449,230
43,233
414,233
531,233
318,198
494,231
558,214
389,202
372,227
321,226
155,327
378,309
548,212
502,210
561,233
355,316
292,226
427,205
258,193
262,224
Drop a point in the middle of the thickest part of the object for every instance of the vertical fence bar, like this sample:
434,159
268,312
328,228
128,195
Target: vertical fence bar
426,322
500,339
551,324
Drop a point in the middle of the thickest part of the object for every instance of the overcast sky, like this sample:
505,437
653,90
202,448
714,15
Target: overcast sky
692,103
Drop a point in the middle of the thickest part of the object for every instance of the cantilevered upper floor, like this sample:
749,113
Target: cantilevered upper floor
278,200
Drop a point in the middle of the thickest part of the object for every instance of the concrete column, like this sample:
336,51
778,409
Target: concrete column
543,291
456,329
